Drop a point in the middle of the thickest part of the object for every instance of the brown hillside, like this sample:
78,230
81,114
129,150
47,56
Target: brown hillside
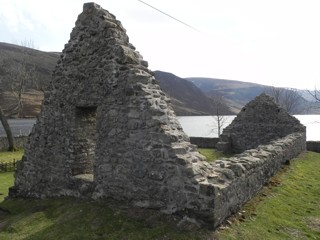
12,59
187,99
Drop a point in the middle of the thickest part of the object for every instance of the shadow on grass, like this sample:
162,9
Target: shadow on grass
70,218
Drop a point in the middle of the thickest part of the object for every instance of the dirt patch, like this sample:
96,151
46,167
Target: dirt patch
313,223
296,233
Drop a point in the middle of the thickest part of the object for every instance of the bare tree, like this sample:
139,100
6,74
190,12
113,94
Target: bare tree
289,99
20,74
315,102
276,93
315,94
8,131
292,101
220,119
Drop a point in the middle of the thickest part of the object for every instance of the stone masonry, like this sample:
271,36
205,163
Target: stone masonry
106,130
259,122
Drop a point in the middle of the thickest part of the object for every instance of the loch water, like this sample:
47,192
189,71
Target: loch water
194,126
206,126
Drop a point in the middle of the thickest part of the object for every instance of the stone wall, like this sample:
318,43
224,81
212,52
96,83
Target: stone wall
20,142
238,178
313,146
203,142
259,122
106,129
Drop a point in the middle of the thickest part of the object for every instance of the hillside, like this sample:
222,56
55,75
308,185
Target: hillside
44,62
190,96
238,93
17,62
188,99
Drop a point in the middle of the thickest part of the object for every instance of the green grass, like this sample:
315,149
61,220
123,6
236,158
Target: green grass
69,218
288,208
6,156
6,181
211,154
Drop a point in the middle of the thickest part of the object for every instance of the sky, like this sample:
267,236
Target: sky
274,42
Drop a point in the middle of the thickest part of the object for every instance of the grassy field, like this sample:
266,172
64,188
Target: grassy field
288,208
10,156
6,181
212,154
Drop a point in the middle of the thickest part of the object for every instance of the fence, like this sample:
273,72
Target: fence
8,166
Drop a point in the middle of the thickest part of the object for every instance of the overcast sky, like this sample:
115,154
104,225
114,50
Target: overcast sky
274,42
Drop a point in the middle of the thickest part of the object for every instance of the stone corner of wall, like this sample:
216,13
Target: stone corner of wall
233,181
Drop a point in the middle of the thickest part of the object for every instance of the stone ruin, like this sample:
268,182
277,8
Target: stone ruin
107,131
259,122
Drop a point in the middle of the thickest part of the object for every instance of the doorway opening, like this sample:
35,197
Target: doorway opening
85,141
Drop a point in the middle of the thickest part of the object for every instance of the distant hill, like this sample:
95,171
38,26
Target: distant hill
12,59
190,96
186,97
238,93
44,62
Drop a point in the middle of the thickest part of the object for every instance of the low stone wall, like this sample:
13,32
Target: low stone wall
238,178
203,142
19,142
313,146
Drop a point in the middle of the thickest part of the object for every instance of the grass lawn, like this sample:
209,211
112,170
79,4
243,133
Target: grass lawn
68,218
6,181
10,156
288,208
211,154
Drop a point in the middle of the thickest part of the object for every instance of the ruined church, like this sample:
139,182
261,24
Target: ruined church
106,130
